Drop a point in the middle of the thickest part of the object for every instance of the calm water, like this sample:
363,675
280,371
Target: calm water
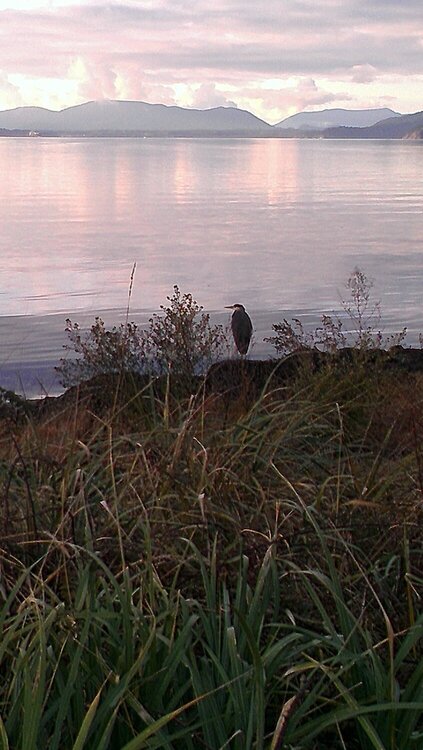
275,224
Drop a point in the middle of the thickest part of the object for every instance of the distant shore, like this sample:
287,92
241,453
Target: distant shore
281,133
340,134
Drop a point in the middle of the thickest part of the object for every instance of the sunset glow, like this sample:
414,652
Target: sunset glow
273,60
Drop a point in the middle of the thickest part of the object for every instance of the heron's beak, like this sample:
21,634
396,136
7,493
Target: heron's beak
229,307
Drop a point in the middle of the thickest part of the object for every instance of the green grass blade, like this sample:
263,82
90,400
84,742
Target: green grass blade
4,741
86,724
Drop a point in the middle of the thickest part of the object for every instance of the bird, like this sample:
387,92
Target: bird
242,327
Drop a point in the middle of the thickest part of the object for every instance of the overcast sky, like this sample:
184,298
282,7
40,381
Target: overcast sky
272,57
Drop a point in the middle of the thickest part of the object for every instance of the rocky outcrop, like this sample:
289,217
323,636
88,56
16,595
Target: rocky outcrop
231,376
228,378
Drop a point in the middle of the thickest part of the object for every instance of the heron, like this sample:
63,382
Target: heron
242,327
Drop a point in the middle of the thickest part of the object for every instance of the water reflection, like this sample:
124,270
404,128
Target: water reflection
278,224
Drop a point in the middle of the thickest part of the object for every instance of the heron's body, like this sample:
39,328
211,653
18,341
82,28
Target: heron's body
242,328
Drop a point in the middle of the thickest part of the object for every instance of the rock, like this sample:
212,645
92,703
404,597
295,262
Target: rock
410,360
234,375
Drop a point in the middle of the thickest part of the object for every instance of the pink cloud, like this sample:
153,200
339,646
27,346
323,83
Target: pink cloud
363,74
98,81
308,94
207,96
9,92
131,51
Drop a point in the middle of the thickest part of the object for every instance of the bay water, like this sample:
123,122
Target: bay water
276,224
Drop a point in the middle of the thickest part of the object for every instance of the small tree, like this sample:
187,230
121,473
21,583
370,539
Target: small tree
182,340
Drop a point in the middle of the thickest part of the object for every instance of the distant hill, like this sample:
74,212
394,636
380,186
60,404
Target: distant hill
329,118
4,133
126,116
113,118
394,127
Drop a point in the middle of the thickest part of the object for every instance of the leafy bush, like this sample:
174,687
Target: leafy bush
181,341
101,351
363,313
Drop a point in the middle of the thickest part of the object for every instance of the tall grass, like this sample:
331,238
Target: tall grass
177,576
123,666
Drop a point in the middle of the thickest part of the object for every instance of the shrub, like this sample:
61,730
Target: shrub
363,313
101,351
181,341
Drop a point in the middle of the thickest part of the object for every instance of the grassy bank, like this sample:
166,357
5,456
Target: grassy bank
186,566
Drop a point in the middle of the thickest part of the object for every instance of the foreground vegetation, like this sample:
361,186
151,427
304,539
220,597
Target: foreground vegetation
190,566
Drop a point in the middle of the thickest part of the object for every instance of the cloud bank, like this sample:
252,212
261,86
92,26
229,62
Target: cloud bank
273,59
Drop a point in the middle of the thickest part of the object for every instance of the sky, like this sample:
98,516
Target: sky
271,57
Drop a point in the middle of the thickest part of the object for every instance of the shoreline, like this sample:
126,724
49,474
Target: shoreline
32,345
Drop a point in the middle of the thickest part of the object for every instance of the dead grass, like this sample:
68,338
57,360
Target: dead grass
133,462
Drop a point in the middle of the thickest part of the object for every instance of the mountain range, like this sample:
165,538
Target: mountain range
405,126
140,118
332,118
127,117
